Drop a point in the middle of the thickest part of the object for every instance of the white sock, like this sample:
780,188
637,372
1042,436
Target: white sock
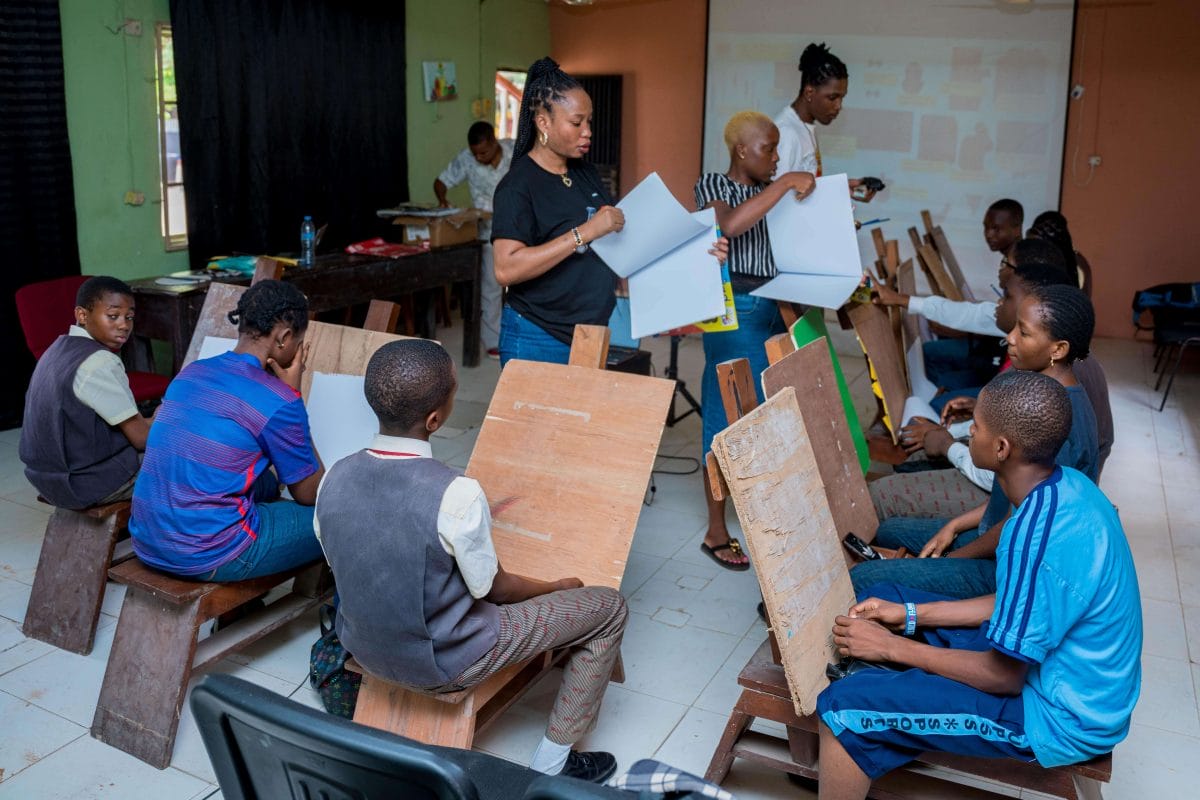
550,757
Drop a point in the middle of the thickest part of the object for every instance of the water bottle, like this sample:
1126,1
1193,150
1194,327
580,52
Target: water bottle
308,243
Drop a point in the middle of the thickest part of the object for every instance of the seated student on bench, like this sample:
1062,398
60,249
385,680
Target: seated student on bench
201,508
1054,329
83,433
424,602
1046,669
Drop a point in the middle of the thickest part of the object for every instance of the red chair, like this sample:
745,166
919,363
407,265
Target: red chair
46,310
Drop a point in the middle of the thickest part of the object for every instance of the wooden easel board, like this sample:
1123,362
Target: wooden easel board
809,371
770,466
951,261
214,317
564,455
340,350
932,263
874,330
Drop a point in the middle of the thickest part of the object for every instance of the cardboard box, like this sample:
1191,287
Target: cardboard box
460,228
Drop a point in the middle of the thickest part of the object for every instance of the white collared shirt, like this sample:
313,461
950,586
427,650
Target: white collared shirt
482,179
979,318
102,385
798,149
464,519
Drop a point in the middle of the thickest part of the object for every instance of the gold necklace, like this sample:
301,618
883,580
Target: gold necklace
566,181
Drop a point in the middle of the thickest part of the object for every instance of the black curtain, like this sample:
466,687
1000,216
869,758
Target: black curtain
37,197
287,108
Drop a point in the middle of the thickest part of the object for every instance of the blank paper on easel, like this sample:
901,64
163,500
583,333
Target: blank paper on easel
919,385
215,346
341,421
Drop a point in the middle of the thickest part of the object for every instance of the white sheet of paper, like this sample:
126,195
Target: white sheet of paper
215,346
918,383
916,407
655,224
341,421
815,237
680,288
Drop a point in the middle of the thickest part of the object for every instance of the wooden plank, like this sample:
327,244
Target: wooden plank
809,371
267,269
915,238
214,317
951,262
337,349
382,316
877,238
716,483
769,464
941,279
927,221
565,455
791,312
737,388
874,331
589,346
778,346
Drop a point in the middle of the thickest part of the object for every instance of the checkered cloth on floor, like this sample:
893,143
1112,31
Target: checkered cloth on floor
649,775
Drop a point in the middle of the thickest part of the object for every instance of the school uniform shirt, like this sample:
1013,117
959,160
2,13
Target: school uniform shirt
223,422
798,148
102,385
482,179
533,206
464,521
1067,604
979,318
750,261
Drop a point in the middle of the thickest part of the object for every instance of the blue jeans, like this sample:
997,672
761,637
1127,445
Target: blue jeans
285,540
960,578
758,320
523,339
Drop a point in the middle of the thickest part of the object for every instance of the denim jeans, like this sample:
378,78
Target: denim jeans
960,578
758,320
285,540
523,339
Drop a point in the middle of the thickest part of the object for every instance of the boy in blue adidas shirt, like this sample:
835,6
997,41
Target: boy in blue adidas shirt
1046,669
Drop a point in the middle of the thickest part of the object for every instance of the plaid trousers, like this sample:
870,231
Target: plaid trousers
937,493
589,621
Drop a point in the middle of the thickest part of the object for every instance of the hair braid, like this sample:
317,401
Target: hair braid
268,302
818,66
545,84
1068,315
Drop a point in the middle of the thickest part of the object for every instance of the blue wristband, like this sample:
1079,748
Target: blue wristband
910,619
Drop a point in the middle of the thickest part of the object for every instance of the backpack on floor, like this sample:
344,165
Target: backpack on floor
327,671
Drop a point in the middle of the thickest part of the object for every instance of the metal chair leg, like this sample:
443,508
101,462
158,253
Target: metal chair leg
1166,360
1182,349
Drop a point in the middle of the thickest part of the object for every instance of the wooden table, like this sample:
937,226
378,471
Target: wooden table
336,281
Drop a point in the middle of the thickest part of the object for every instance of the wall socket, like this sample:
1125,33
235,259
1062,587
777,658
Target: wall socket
1093,161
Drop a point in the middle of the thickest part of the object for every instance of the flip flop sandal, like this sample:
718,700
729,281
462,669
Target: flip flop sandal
733,546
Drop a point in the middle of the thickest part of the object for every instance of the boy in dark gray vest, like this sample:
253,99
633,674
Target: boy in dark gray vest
424,600
83,432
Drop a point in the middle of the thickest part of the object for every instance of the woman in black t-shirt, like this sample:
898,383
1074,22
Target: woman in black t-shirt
548,208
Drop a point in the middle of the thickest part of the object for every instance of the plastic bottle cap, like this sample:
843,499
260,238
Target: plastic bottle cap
307,218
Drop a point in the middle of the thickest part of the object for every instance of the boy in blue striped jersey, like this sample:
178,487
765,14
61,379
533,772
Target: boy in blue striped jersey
1047,669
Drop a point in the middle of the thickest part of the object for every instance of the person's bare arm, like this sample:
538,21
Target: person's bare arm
516,262
509,588
985,546
137,430
439,191
970,613
304,491
736,221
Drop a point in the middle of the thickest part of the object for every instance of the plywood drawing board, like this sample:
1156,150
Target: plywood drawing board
951,262
339,350
214,317
771,469
874,331
809,371
937,273
564,455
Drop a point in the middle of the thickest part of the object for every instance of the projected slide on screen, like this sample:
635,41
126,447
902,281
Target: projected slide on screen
952,103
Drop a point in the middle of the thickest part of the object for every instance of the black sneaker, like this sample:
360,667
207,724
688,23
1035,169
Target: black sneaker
595,767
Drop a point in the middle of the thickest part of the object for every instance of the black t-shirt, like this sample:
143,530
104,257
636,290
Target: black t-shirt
533,206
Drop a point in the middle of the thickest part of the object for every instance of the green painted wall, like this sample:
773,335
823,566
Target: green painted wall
111,107
515,33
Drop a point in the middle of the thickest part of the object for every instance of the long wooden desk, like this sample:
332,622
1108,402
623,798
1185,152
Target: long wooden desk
335,281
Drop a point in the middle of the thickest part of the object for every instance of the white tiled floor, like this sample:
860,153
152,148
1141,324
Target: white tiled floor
692,628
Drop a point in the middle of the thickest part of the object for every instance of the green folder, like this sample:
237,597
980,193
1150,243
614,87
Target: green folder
808,329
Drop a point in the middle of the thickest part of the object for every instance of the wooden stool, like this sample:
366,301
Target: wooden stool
765,694
72,569
155,649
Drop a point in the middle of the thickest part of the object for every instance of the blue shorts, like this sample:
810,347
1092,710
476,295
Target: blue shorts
885,719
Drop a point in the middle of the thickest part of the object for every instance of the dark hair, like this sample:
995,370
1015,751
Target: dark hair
818,66
1010,207
268,302
480,132
406,380
1052,226
1037,251
545,84
1035,274
95,288
1067,314
1031,410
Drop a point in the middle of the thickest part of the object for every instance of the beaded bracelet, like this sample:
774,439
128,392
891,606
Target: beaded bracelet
910,619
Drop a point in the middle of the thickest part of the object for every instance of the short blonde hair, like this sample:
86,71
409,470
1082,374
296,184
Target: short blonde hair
741,122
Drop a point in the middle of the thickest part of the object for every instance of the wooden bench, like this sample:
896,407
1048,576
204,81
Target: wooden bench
155,649
765,694
68,587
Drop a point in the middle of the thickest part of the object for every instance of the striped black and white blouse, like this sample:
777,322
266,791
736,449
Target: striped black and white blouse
750,262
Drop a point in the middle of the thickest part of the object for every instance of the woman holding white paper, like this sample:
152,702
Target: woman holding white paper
741,198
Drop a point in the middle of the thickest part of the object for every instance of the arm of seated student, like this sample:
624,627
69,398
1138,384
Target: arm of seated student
304,491
957,409
517,262
137,430
912,435
941,541
735,221
969,613
509,588
983,547
883,296
960,456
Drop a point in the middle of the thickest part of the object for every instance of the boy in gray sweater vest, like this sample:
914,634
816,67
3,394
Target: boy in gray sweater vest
424,600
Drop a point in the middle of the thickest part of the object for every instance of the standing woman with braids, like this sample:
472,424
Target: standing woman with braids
823,84
202,506
550,206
